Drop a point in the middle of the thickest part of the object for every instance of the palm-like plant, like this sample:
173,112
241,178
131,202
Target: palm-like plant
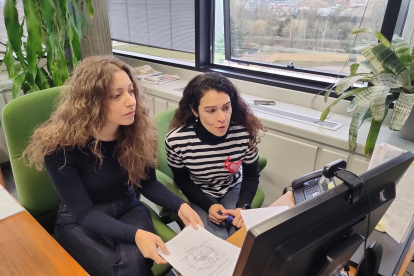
391,80
51,27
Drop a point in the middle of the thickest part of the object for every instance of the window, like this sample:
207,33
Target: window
306,34
154,28
304,45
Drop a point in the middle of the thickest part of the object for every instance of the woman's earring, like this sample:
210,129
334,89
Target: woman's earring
196,119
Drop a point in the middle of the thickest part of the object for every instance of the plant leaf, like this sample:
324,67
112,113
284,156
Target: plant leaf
74,37
368,65
9,61
390,60
377,106
402,109
348,81
11,20
33,23
355,123
343,96
402,49
363,98
48,15
372,137
379,35
16,85
354,68
387,79
372,59
90,8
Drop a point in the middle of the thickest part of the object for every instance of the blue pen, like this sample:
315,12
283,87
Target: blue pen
229,217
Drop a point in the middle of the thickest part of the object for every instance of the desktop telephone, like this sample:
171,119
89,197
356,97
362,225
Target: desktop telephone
309,186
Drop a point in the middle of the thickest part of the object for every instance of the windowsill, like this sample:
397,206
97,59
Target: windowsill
162,59
337,139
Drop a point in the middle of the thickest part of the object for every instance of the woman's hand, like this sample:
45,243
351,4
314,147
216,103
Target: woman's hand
147,243
189,216
238,220
215,216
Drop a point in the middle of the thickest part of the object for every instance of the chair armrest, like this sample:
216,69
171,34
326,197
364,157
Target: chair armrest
169,183
161,229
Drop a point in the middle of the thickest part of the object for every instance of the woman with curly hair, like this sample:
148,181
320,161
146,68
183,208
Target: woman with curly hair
212,152
98,146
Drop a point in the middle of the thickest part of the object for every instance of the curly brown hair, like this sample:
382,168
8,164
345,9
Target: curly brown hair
81,113
198,87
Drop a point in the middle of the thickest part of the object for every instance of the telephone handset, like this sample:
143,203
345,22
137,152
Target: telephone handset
309,185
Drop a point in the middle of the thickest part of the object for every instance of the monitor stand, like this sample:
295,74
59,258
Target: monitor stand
374,255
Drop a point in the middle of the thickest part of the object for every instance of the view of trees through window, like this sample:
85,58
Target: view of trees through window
313,34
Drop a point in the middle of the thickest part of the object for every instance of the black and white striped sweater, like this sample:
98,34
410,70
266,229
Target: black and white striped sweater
204,163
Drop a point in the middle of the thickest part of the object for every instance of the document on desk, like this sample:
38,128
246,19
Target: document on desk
8,205
200,253
400,215
253,217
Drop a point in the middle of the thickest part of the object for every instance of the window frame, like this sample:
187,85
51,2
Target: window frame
204,51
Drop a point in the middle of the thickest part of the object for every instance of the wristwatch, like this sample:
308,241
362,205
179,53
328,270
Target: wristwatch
246,206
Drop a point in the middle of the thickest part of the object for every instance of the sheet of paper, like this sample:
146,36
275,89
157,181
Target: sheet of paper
198,252
253,217
8,205
399,216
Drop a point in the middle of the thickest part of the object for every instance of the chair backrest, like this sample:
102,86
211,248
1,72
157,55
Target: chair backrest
162,121
35,190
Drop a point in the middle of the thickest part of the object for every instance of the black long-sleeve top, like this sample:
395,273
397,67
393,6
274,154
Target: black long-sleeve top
204,163
81,182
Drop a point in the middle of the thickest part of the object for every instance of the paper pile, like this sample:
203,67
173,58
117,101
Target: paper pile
399,217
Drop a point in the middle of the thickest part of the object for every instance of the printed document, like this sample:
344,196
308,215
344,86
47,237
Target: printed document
399,216
8,205
200,253
253,217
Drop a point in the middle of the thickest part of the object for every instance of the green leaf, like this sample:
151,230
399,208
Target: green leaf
31,57
74,37
9,61
48,78
372,137
328,92
343,96
372,59
21,31
380,36
11,20
402,108
57,80
354,68
33,23
377,106
90,8
16,85
368,65
17,68
388,79
348,81
48,14
363,98
355,123
63,6
402,49
390,60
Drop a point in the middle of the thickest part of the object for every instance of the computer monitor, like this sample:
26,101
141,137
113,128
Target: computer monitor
298,241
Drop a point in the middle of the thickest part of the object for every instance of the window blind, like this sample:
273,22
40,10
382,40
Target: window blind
167,24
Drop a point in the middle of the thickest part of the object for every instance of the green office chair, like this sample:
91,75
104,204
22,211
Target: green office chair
35,190
164,173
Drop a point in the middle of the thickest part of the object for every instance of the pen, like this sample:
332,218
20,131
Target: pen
229,217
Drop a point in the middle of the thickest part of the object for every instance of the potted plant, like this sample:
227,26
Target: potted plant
391,79
51,26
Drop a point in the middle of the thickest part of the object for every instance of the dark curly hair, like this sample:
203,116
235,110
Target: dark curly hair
198,87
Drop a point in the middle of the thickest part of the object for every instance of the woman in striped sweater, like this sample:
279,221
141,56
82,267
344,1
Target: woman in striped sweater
212,152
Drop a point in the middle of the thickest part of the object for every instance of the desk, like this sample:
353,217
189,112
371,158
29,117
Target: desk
27,249
287,200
